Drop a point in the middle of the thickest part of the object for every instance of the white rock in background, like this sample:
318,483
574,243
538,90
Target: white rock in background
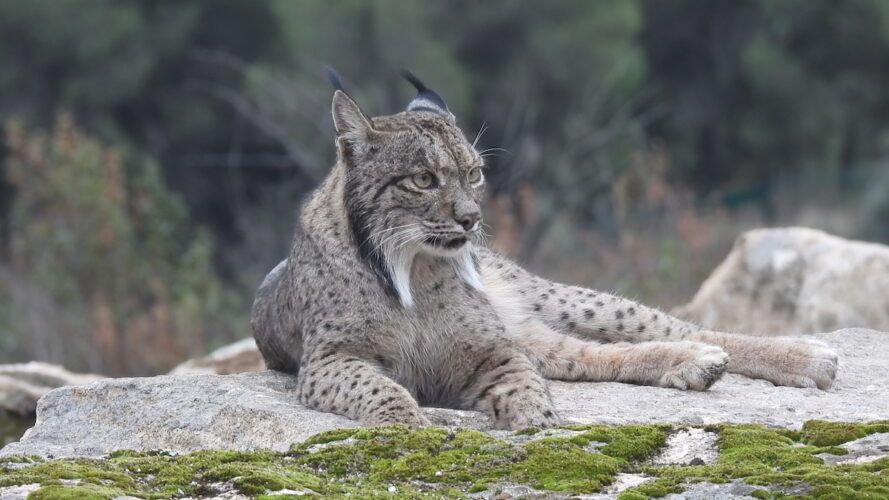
259,410
19,397
22,384
240,357
793,281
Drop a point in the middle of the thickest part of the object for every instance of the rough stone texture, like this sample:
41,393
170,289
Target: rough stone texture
17,492
861,451
259,410
22,384
708,491
692,446
173,412
240,357
794,281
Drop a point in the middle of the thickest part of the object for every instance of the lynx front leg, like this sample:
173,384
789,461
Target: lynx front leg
510,390
350,386
680,365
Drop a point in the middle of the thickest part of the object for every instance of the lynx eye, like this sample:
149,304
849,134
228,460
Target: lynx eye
474,176
424,180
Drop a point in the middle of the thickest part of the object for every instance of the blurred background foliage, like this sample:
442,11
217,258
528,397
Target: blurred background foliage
155,153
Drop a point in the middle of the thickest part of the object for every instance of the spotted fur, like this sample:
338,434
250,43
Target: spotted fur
388,299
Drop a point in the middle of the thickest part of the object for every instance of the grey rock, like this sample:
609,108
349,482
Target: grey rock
790,281
17,492
23,384
173,412
625,481
861,451
259,410
709,491
240,357
692,446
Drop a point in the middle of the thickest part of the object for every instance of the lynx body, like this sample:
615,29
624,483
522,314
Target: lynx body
390,300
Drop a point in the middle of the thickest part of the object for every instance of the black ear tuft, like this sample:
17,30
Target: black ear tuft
334,78
414,81
427,99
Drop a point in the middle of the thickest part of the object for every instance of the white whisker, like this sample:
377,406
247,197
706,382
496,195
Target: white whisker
481,132
489,150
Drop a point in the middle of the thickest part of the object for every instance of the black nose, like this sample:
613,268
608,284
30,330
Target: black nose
469,220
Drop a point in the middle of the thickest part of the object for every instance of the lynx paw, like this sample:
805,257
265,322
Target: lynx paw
799,362
696,367
411,418
541,418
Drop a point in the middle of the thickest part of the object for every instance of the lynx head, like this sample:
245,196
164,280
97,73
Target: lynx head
413,185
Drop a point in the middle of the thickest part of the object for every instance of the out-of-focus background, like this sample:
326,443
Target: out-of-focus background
155,153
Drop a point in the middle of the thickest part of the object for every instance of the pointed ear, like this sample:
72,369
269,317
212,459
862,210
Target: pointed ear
348,118
427,99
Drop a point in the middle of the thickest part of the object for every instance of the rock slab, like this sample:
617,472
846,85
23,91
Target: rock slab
791,281
23,384
259,410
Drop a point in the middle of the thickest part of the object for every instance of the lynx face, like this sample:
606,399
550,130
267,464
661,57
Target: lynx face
413,184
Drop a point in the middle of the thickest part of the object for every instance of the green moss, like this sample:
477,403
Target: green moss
329,437
89,471
464,457
822,433
445,463
79,492
652,489
769,457
630,442
21,459
477,487
555,466
632,495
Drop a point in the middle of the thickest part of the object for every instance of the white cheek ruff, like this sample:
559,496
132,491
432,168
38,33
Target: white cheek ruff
400,263
464,266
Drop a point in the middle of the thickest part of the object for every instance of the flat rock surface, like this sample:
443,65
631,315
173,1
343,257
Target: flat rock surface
259,410
858,395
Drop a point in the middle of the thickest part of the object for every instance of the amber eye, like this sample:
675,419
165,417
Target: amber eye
424,180
474,176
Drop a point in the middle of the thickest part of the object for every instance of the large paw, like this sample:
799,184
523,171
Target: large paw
515,408
540,418
796,362
694,366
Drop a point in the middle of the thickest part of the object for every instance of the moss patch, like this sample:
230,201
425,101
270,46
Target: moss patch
402,463
778,460
822,433
467,460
